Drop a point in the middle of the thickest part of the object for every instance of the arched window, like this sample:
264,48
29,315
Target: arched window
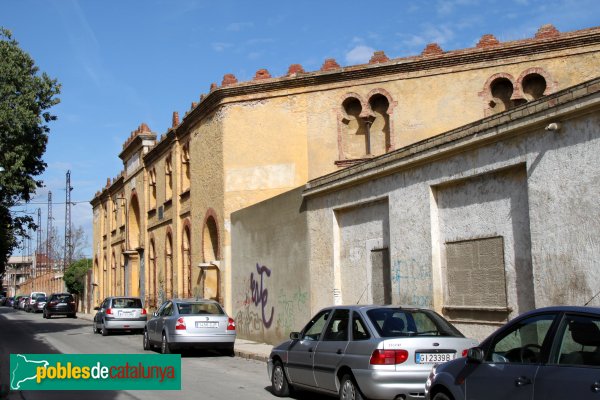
186,168
152,187
152,275
168,178
534,86
113,273
186,259
379,126
169,266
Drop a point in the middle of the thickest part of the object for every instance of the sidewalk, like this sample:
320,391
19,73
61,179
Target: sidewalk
243,348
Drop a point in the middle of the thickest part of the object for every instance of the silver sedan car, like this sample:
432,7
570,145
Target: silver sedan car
374,352
119,313
190,323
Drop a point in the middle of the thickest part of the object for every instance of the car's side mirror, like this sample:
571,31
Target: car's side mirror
155,314
295,335
475,354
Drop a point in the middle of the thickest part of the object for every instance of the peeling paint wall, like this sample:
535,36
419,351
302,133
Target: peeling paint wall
538,191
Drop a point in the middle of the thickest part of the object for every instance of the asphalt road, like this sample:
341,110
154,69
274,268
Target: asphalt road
205,375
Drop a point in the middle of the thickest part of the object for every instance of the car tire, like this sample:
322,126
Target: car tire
349,389
279,382
442,396
146,341
103,330
72,316
165,348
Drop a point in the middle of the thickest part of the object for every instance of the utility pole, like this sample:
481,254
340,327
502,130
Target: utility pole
68,252
49,233
38,255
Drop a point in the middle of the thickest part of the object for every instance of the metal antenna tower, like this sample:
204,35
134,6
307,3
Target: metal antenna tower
68,250
38,255
49,234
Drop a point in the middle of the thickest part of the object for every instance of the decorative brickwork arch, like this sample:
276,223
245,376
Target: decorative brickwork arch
351,126
169,264
152,294
134,224
381,107
536,82
209,281
186,257
499,92
113,273
122,266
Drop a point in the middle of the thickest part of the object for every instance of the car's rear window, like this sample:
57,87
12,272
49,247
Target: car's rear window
398,322
127,303
199,308
63,297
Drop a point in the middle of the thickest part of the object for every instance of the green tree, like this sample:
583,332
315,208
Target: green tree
25,97
75,274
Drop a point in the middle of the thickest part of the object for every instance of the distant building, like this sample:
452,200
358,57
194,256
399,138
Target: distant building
164,226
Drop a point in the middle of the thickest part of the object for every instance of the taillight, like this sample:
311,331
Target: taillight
143,311
231,325
109,311
180,324
465,352
388,357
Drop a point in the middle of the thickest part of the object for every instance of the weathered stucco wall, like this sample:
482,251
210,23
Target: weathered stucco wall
270,268
537,190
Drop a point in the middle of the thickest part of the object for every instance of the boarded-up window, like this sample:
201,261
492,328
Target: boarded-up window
475,274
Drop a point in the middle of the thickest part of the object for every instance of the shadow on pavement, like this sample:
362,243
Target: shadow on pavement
18,336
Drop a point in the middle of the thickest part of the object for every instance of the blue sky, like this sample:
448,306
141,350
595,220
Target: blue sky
124,62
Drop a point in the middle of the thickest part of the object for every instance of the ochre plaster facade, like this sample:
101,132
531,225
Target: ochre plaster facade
245,142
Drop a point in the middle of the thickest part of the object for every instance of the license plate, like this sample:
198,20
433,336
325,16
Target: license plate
207,324
125,313
430,358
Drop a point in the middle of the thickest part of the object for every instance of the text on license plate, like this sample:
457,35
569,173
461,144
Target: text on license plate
426,358
207,324
125,313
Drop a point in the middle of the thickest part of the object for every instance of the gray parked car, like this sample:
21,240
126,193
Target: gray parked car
120,313
550,353
190,323
356,352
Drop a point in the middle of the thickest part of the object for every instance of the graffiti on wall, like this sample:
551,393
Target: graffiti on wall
260,294
255,315
289,306
413,282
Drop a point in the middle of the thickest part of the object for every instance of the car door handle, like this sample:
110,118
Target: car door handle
522,381
596,387
339,351
310,350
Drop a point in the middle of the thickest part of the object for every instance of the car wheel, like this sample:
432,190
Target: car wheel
146,341
349,390
442,396
164,345
104,331
279,382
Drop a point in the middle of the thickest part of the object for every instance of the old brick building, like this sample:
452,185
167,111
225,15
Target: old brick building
163,227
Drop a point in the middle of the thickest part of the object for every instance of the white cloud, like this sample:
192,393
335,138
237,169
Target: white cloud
359,55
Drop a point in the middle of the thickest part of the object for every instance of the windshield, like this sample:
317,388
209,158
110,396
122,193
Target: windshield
398,322
199,308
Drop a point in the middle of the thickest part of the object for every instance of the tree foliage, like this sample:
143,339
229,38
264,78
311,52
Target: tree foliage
75,274
25,97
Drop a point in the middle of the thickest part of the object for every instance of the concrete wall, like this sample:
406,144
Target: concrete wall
537,190
271,294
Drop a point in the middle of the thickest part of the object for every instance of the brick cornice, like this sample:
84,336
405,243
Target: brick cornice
508,50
